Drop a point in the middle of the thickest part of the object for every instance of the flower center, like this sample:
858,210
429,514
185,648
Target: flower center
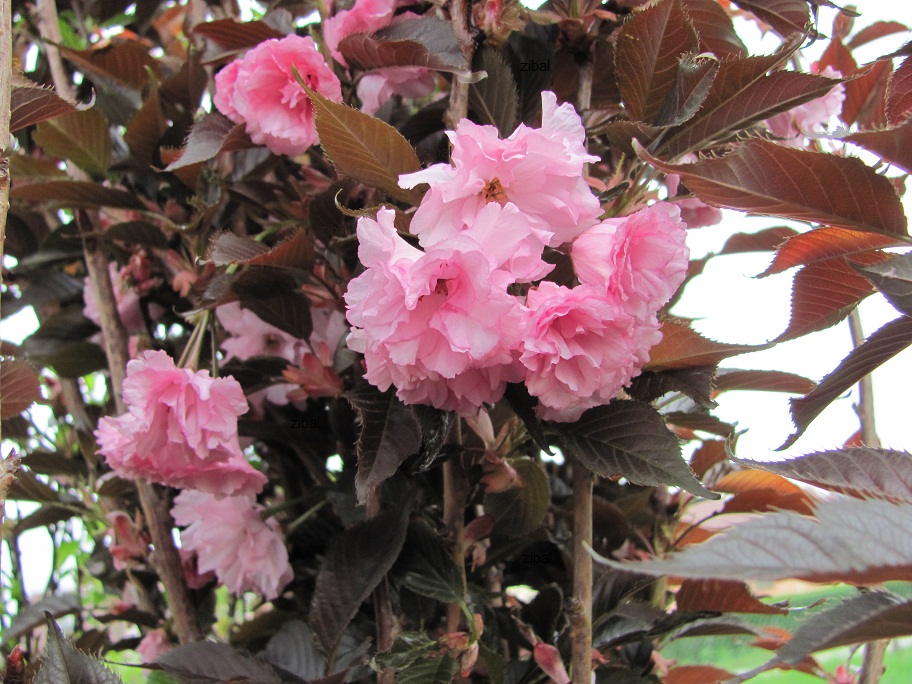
493,191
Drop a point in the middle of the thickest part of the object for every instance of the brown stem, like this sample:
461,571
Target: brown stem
49,26
156,509
581,613
459,92
6,77
581,610
872,668
454,493
383,605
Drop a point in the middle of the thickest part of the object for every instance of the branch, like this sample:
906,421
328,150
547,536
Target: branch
581,614
45,15
155,506
459,91
383,605
6,76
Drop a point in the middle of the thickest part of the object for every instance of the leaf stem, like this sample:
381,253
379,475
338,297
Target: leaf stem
459,91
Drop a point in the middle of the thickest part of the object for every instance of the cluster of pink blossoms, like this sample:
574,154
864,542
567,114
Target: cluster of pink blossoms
443,324
180,430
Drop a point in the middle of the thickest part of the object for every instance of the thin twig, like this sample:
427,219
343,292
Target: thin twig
156,510
581,614
460,16
49,26
383,605
6,77
872,668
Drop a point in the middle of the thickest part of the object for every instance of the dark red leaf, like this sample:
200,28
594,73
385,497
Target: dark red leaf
756,491
20,387
823,294
784,16
709,454
146,129
696,674
31,104
892,144
424,42
630,438
714,28
899,93
766,240
823,244
878,29
126,62
692,84
845,541
649,47
894,280
722,596
77,194
683,347
234,36
762,381
862,472
880,347
865,92
210,135
766,178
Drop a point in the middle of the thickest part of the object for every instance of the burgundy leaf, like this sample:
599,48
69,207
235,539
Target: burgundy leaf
756,491
784,16
232,36
762,381
722,596
865,92
696,674
683,347
20,387
125,62
630,438
878,29
77,194
823,294
824,244
210,135
692,84
31,104
765,178
649,47
425,42
880,347
845,541
894,280
862,472
892,144
709,454
899,93
766,240
714,28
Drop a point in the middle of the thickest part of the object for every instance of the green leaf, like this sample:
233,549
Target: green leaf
857,541
365,148
630,438
427,567
429,671
81,137
353,566
519,511
208,662
494,99
390,433
64,664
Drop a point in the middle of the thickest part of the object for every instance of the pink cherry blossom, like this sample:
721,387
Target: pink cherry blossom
811,117
231,539
439,325
581,348
539,170
512,242
153,644
180,429
261,92
128,541
641,259
377,86
365,16
252,336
